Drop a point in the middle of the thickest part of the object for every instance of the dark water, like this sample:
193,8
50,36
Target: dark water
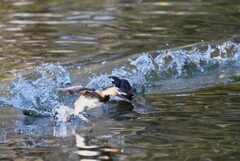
182,56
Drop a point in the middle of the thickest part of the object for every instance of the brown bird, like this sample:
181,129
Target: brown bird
92,98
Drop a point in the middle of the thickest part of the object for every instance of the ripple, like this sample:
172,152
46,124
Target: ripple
62,51
26,22
13,29
164,4
26,3
177,13
78,17
33,41
77,38
103,18
76,42
36,15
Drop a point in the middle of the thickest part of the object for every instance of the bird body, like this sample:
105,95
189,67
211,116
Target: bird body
85,103
91,98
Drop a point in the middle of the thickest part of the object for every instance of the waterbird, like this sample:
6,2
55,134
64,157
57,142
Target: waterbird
92,98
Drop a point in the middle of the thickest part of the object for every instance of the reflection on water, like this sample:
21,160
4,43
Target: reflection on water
185,126
183,58
87,151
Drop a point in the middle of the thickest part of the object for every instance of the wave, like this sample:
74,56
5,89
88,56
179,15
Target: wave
38,92
181,62
151,70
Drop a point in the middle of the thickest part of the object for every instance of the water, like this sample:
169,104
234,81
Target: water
181,56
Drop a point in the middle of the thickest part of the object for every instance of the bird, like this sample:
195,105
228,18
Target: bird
91,98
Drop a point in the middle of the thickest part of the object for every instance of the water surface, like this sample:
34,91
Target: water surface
181,56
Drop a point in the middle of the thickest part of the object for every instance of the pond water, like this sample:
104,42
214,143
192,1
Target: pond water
181,56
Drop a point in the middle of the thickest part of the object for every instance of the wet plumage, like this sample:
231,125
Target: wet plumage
92,98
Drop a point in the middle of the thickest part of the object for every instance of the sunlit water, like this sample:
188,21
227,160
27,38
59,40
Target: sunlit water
182,57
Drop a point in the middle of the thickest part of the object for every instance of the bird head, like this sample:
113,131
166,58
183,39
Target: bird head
116,81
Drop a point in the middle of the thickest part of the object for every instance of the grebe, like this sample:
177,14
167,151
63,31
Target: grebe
92,98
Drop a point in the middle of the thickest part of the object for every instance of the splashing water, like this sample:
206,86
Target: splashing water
100,82
174,64
41,94
181,62
135,72
38,95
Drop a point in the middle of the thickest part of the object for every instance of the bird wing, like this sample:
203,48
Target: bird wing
92,94
75,89
134,103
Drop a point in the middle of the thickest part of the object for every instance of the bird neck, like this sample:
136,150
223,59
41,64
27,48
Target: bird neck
103,96
112,91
